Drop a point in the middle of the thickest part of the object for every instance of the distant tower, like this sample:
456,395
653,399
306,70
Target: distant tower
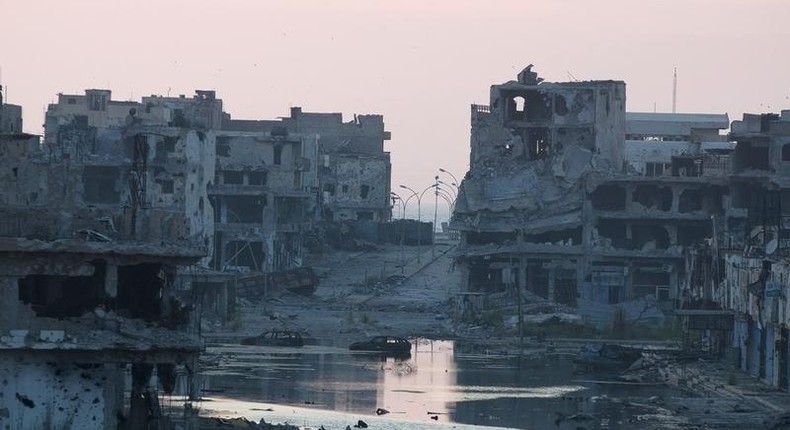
675,91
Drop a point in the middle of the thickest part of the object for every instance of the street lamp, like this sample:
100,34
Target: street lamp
451,187
451,175
396,197
419,219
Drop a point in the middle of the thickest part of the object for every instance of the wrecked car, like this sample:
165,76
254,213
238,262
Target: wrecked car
384,344
606,356
275,338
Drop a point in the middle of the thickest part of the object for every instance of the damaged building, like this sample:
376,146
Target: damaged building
571,198
744,279
99,220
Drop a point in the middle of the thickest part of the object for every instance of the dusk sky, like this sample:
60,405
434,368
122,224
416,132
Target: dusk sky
419,63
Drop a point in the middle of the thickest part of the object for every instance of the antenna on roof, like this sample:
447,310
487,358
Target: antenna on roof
570,75
675,91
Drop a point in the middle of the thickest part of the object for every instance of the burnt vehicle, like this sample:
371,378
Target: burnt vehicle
606,356
383,344
275,338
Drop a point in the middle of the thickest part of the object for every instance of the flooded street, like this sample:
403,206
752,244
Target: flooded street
436,386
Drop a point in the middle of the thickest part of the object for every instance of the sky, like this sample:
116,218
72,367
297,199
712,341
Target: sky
420,63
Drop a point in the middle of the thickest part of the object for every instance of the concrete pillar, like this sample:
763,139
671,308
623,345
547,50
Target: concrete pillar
111,281
629,194
675,199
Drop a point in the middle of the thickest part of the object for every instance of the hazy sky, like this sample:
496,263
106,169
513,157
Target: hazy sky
420,63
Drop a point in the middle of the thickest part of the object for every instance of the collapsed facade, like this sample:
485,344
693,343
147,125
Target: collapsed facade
98,220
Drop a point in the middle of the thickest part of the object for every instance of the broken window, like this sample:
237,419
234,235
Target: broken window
140,288
58,296
752,155
537,142
166,146
609,198
99,183
278,155
363,191
233,178
256,178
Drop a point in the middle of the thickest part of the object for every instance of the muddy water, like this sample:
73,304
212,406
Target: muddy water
435,387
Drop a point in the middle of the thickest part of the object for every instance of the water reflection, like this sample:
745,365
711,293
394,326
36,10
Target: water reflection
435,384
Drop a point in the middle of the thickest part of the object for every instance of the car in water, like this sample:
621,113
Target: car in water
384,344
275,338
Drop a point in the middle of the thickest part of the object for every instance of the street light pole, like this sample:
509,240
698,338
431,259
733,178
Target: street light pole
395,197
419,218
435,213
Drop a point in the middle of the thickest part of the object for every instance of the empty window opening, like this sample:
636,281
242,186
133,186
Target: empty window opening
538,107
649,237
345,189
609,198
289,210
690,201
686,166
165,185
653,197
223,146
278,155
572,236
329,189
484,278
245,209
613,233
99,184
694,233
538,142
166,146
57,296
363,191
560,105
233,178
751,155
495,238
140,289
257,178
244,254
786,152
519,107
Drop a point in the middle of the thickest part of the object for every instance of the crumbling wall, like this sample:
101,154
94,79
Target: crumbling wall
59,394
357,187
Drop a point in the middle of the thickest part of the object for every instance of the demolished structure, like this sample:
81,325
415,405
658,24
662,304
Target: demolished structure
576,201
571,198
98,222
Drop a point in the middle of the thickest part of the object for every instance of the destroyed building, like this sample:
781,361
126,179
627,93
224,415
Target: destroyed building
571,198
352,168
744,281
99,220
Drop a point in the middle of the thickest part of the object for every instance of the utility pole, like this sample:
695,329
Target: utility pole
675,91
435,213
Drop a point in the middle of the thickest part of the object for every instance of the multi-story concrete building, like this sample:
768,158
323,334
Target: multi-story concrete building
575,200
97,223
